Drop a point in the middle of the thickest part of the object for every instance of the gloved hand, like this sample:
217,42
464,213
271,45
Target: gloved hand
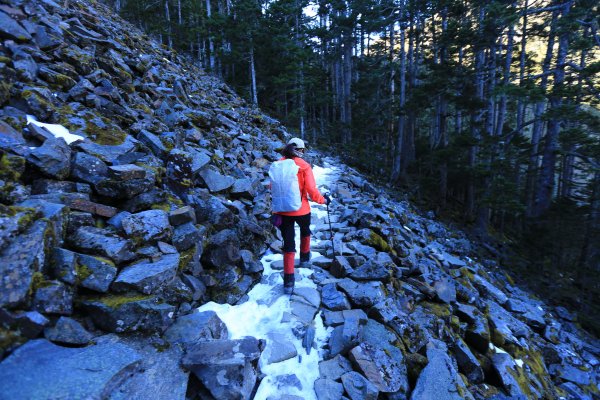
327,198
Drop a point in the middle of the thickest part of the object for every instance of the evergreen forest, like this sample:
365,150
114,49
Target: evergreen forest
487,111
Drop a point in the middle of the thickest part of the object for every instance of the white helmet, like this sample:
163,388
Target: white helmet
298,142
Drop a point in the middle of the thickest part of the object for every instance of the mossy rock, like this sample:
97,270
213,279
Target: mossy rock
379,243
109,136
10,339
116,301
5,88
185,257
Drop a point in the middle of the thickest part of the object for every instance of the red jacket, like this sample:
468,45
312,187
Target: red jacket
308,187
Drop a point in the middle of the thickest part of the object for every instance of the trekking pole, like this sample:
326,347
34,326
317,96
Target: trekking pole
330,229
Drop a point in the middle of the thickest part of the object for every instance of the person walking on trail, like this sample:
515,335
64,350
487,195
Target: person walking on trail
294,150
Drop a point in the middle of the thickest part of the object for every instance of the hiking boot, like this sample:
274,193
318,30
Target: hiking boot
288,283
305,260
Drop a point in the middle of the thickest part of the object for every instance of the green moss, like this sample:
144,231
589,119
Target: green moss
439,310
185,257
10,339
114,301
27,217
5,60
464,271
11,167
379,243
5,88
534,362
104,136
38,281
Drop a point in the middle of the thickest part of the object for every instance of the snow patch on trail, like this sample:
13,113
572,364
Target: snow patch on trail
265,309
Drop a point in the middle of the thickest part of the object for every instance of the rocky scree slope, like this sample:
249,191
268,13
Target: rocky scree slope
108,243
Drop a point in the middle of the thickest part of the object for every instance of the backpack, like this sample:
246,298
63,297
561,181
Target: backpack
285,190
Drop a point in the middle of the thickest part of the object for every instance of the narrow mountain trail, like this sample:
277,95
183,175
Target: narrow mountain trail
283,321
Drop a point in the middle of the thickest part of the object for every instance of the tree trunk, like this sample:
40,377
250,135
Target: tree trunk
476,120
538,125
521,105
545,190
253,76
211,44
168,18
398,150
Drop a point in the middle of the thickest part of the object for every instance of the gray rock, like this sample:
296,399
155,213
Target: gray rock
225,367
147,276
371,271
340,267
210,210
333,299
386,373
148,226
439,379
196,286
215,181
362,294
478,332
251,265
153,142
182,216
489,290
186,236
243,188
53,298
53,158
571,373
68,331
20,260
278,348
96,240
506,370
346,336
505,327
30,323
158,376
328,389
87,168
95,273
10,29
126,172
358,387
386,310
63,265
109,153
467,362
42,370
129,313
128,189
222,249
192,328
334,368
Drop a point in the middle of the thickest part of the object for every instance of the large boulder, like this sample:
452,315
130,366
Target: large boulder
42,370
147,276
89,239
129,313
365,294
439,380
20,260
53,158
95,273
148,226
192,328
225,367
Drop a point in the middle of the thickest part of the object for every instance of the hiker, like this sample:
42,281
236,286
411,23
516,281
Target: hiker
294,150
